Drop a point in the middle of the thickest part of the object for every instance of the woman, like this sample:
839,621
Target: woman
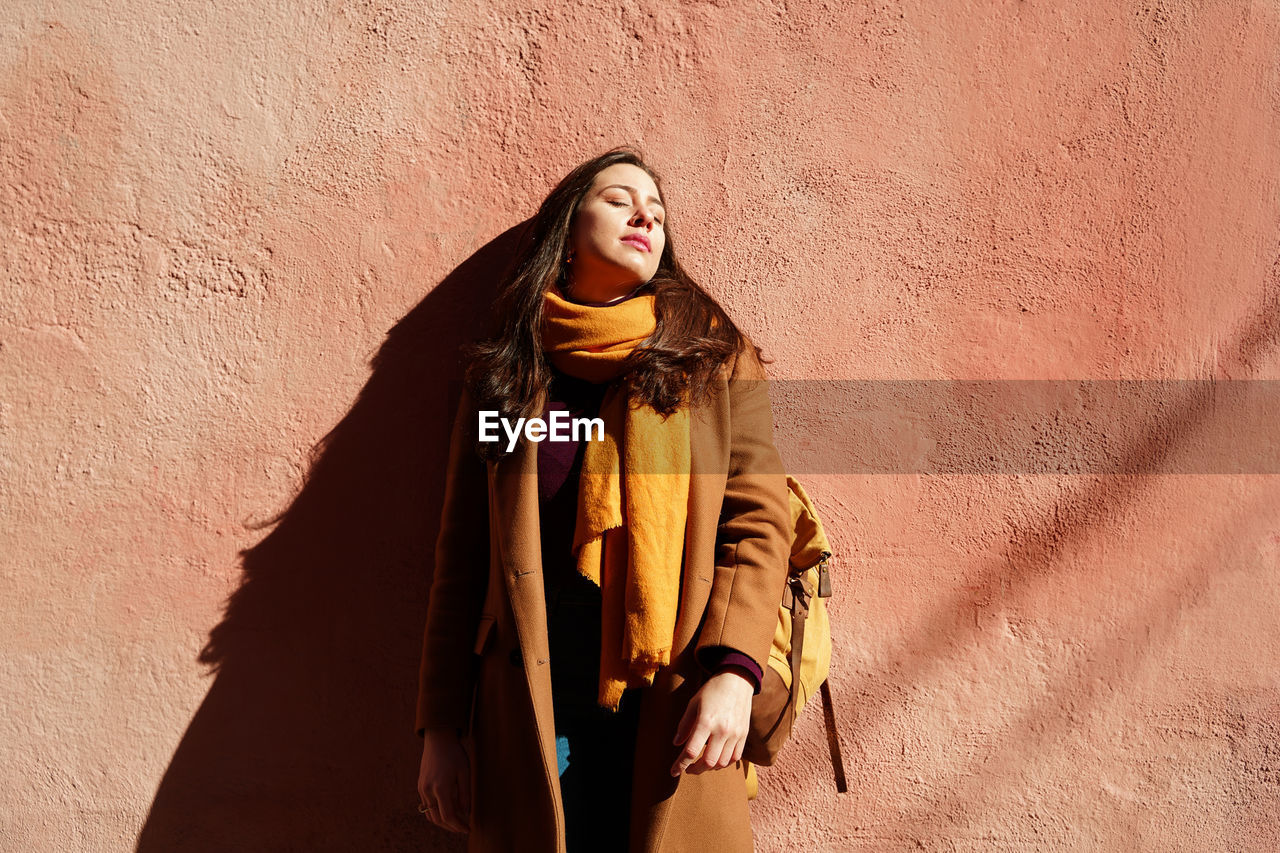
601,610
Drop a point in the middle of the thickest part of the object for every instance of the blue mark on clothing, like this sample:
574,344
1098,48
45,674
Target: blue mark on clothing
562,754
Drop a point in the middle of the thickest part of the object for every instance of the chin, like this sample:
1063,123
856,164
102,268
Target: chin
641,273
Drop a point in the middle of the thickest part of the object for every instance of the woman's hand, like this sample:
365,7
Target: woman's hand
444,780
714,726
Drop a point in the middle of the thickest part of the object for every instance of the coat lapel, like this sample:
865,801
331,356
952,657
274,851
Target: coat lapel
514,491
710,466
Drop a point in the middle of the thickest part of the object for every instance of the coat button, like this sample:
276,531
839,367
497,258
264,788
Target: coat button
516,658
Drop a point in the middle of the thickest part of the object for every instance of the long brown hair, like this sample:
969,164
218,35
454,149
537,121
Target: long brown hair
678,362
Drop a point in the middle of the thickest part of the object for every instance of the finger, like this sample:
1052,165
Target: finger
687,763
686,723
739,748
715,749
447,800
732,744
692,750
452,824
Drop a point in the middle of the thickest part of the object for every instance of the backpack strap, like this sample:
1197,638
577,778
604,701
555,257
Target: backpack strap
829,707
796,597
799,595
833,738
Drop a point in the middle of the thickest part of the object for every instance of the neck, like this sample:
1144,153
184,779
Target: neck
577,294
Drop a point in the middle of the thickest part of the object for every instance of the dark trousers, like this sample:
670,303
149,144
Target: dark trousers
595,747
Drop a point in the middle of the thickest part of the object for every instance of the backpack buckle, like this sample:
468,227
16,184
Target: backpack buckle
797,595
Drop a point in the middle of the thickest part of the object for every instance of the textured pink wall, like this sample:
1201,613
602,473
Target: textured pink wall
240,242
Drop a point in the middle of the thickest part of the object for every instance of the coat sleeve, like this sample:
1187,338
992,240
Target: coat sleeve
717,658
446,675
752,544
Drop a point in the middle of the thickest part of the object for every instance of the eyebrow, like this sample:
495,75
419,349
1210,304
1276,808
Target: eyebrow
651,199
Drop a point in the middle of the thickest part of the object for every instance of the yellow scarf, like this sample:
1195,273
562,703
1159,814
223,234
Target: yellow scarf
633,493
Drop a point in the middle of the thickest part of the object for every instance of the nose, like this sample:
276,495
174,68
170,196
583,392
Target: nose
643,216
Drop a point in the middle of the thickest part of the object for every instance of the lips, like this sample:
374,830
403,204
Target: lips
638,240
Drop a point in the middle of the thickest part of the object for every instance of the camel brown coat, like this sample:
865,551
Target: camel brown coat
485,647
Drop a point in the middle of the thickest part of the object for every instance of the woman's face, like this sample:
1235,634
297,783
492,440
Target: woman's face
617,237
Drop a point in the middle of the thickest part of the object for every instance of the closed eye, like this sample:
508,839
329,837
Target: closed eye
617,203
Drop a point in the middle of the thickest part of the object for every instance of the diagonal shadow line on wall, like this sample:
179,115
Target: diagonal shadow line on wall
1045,723
1035,548
305,739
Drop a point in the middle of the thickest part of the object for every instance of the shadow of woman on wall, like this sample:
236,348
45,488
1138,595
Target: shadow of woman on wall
305,740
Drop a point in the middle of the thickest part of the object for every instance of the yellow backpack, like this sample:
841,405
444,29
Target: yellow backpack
801,647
